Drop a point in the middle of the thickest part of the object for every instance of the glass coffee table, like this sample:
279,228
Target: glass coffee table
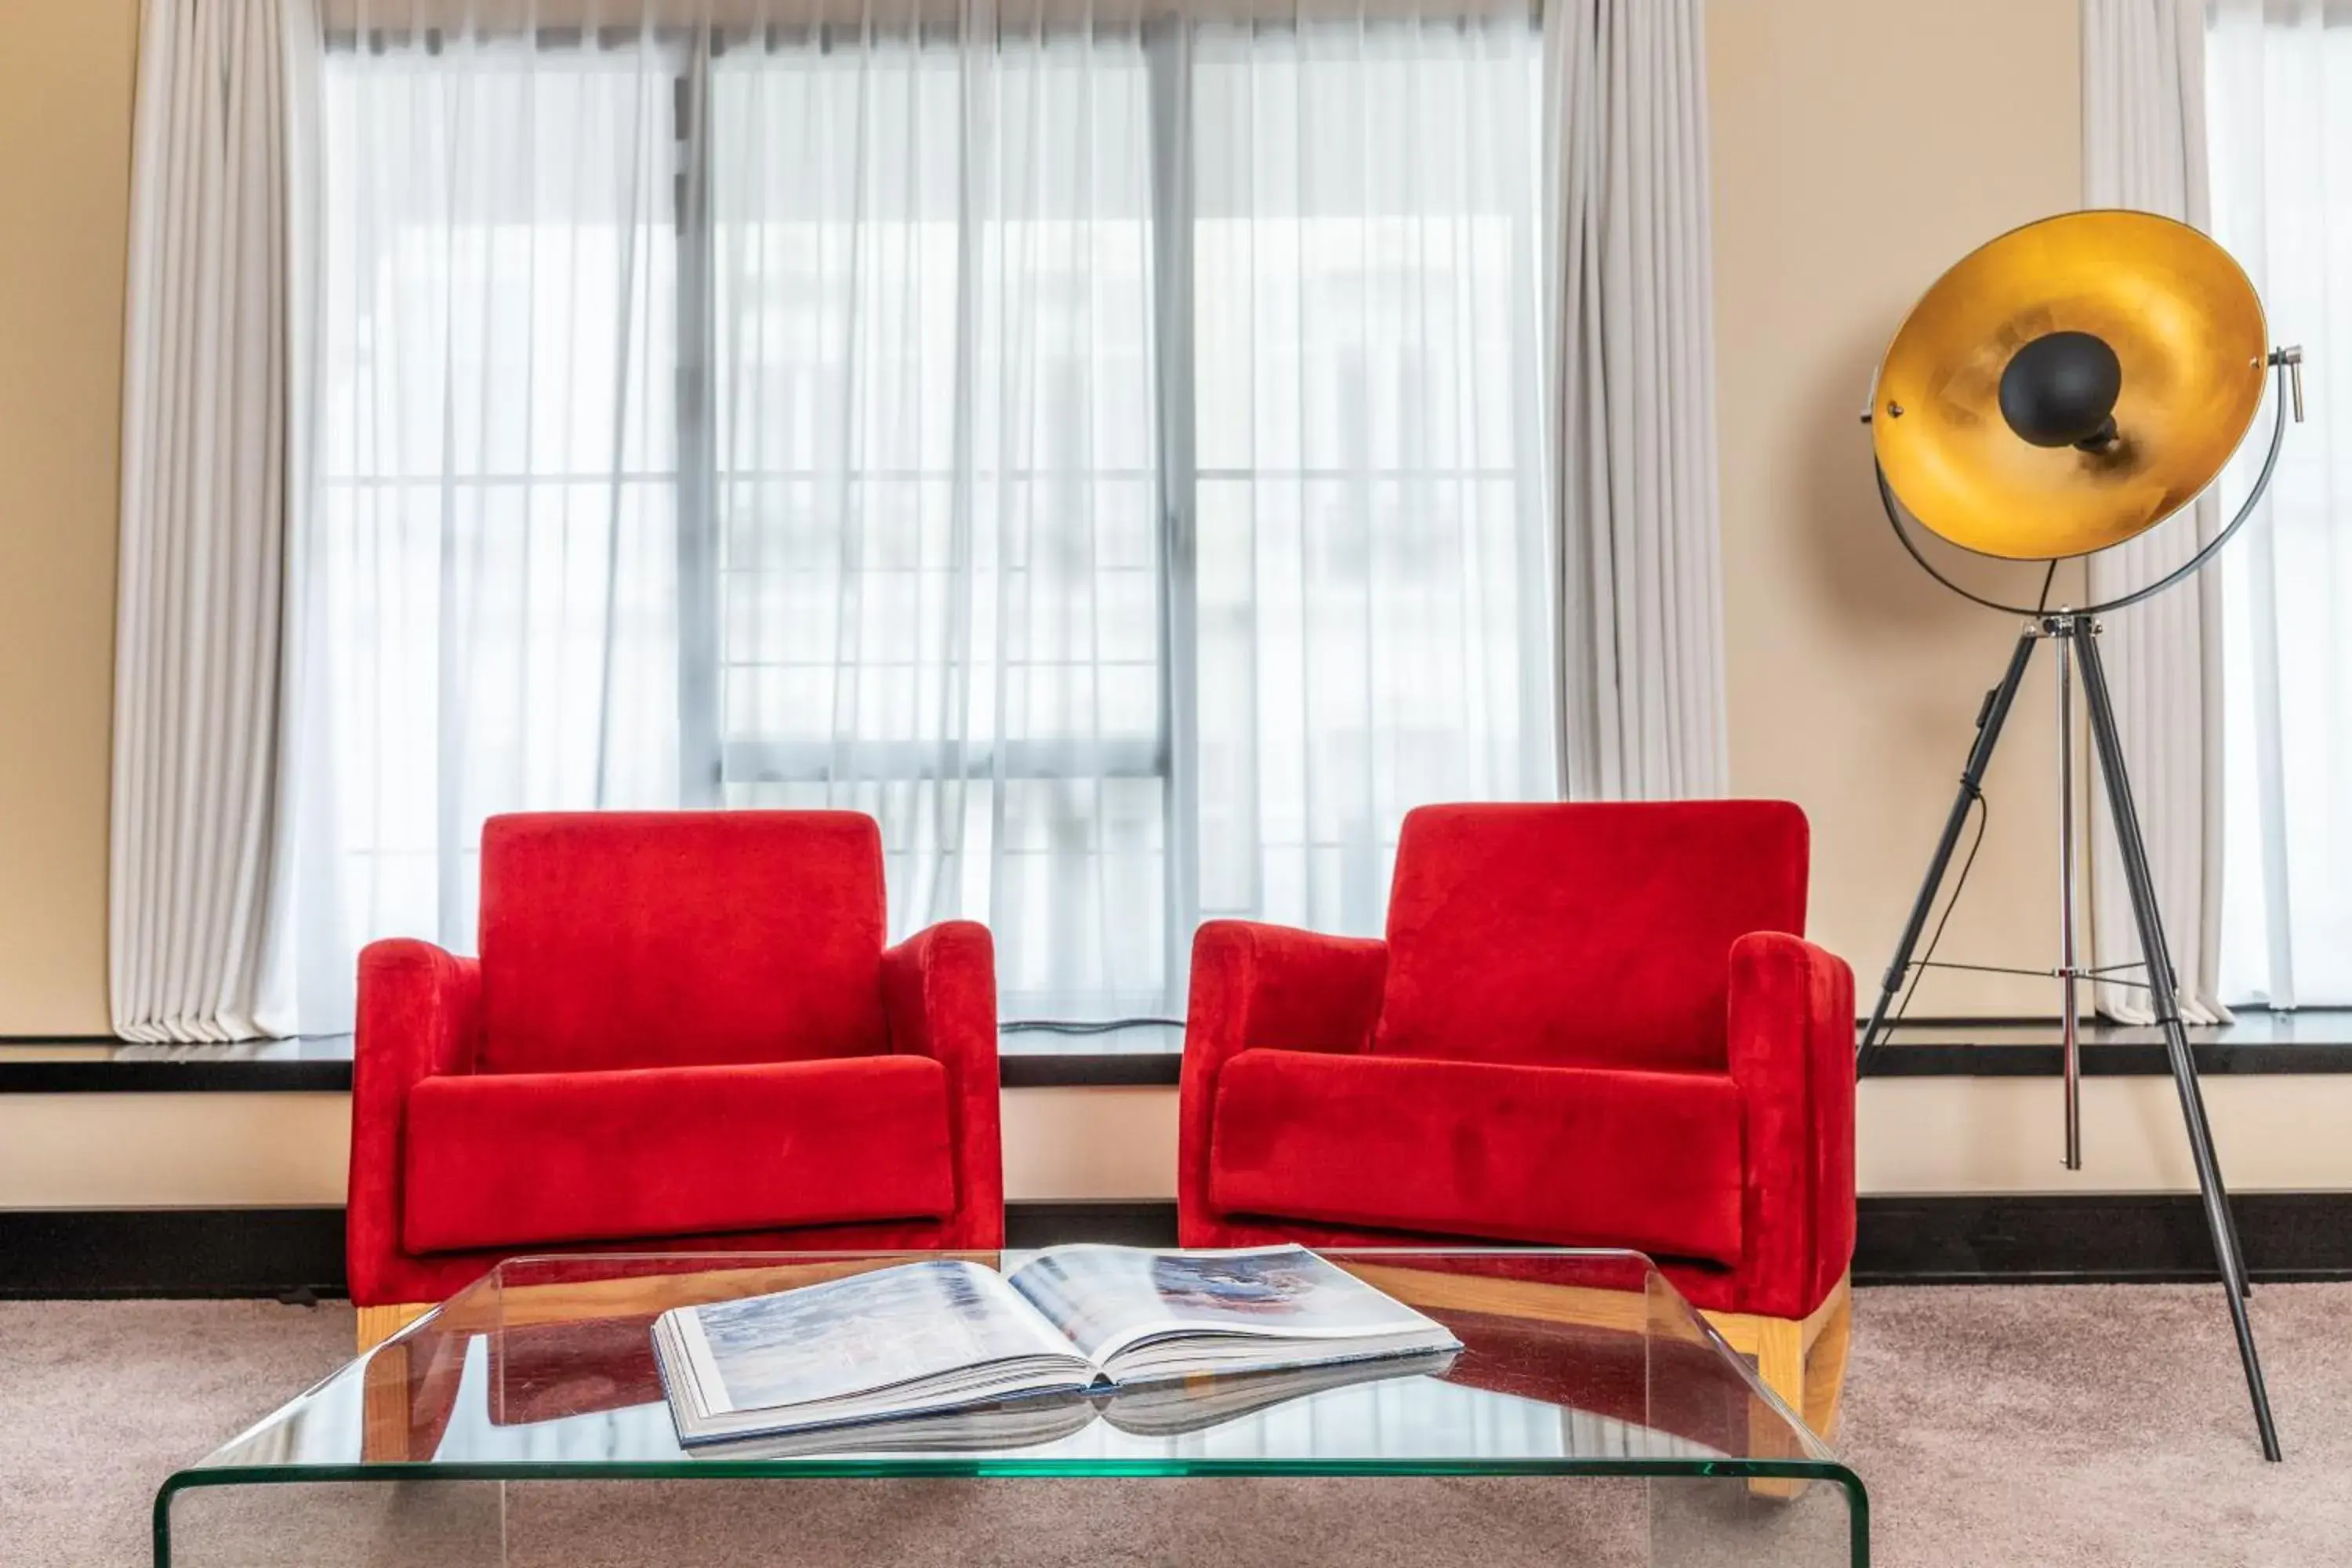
1593,1411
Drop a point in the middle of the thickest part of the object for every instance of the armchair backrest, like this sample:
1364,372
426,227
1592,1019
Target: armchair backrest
1582,935
679,938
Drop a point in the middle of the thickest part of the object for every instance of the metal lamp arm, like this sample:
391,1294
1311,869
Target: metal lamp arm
1903,536
2289,361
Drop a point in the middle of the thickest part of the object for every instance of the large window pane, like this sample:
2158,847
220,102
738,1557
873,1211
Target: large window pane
817,419
491,559
937,474
1371,633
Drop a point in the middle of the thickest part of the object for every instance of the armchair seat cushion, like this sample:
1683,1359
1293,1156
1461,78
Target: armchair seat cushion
503,1160
1559,1155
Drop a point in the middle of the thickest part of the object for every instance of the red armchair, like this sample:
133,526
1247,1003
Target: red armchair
1588,1025
683,1033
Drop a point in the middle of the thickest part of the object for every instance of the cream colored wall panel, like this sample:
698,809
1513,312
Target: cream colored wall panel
2004,1135
1078,1143
1917,1136
172,1151
66,75
136,1151
1859,147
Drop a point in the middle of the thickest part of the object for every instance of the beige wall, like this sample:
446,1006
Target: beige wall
1861,146
64,172
1918,1135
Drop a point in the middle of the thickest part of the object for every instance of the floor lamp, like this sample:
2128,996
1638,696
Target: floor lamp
2064,388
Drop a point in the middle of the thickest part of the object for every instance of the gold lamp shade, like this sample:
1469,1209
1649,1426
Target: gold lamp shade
2187,330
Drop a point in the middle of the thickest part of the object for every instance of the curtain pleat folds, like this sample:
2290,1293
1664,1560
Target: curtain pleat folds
2144,147
203,534
1630,329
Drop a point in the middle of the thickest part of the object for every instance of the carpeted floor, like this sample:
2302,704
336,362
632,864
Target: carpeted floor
2052,1428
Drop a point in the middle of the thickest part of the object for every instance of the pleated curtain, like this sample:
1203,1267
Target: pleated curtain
1629,326
2144,146
1135,452
205,492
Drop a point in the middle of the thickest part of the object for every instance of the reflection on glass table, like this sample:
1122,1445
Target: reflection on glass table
1574,1363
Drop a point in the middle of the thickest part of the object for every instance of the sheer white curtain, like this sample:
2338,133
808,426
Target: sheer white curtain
2144,146
1105,446
489,606
938,551
1371,548
2279,97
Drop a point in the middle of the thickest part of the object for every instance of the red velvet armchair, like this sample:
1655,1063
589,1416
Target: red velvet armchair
683,1033
1589,1025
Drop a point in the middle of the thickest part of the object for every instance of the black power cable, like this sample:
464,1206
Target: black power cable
1959,884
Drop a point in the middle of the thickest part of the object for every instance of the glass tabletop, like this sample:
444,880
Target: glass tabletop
1574,1362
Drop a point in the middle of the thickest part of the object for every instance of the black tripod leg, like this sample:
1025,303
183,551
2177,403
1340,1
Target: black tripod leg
2158,958
2164,989
1989,719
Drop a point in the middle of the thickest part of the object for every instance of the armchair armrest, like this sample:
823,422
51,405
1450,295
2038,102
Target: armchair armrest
419,1017
1264,985
1791,1054
938,993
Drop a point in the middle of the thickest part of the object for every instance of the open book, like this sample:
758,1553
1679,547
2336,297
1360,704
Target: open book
945,1335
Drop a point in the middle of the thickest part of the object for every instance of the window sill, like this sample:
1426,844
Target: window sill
2317,1040
321,1064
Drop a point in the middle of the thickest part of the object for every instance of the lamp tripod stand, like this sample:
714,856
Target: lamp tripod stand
2073,638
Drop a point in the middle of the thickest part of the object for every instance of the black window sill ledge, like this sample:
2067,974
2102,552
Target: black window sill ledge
2312,1042
322,1065
2316,1040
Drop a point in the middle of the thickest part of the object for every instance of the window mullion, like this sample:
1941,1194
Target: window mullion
1167,52
698,607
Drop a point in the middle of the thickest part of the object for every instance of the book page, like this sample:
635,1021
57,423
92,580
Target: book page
856,1335
1195,1405
1105,1298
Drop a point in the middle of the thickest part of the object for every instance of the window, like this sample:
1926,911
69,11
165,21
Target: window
938,555
1110,458
2279,111
491,555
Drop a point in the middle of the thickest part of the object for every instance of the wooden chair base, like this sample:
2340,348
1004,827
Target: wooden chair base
1803,1362
377,1325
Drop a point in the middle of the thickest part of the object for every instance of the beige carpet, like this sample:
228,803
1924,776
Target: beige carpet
1997,1427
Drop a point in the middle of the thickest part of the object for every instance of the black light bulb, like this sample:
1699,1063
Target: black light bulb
2059,390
